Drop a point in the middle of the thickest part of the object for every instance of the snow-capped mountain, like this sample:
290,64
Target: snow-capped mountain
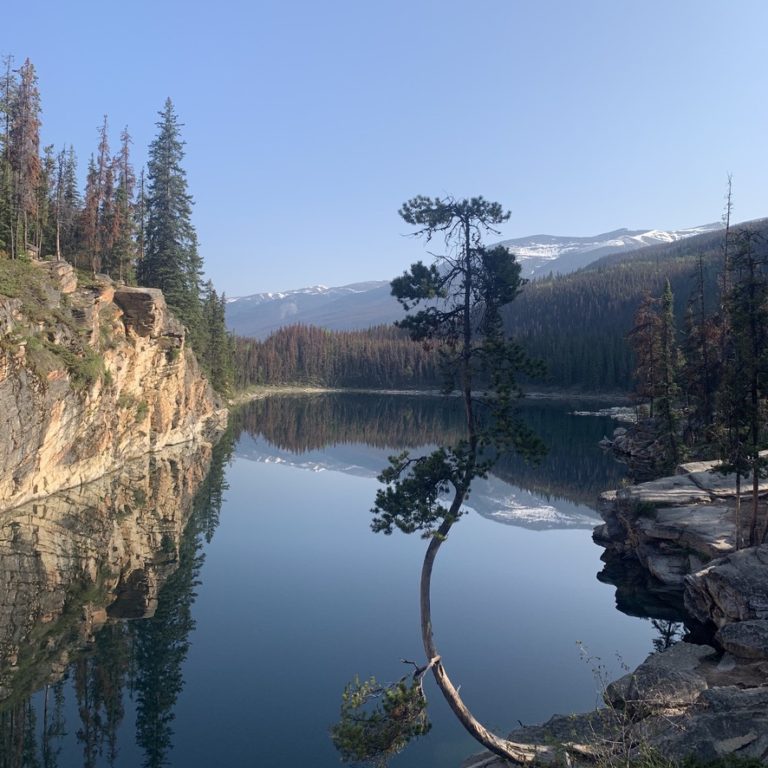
362,305
358,305
542,254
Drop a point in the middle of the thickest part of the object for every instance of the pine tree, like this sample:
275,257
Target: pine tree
70,203
217,357
171,261
123,255
88,226
24,154
745,383
668,389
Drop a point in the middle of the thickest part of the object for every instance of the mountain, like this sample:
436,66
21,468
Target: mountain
542,254
358,305
362,305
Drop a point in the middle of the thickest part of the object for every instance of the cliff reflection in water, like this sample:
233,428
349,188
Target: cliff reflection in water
574,469
76,566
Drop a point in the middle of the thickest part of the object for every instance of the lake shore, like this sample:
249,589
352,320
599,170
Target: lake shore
705,699
260,392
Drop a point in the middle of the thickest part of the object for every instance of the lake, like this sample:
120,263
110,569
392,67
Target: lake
256,601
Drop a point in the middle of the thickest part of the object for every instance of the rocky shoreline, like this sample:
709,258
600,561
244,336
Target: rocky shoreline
708,698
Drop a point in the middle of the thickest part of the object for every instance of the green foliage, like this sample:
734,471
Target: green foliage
378,721
171,260
84,368
411,499
472,284
382,357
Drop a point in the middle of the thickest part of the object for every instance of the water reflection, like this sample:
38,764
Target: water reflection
75,566
98,589
355,433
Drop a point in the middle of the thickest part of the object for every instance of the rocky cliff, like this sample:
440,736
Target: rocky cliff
91,375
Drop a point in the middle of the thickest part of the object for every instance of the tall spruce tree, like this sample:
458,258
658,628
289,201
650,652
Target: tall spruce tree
24,156
171,261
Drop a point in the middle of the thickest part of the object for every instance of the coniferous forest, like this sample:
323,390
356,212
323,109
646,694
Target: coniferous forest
130,227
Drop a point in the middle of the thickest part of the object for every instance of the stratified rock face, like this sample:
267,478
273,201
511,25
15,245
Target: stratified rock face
86,556
95,377
732,588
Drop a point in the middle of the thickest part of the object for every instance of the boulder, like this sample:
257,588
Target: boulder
732,588
745,639
665,681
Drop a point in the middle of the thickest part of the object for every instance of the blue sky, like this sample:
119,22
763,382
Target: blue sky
308,123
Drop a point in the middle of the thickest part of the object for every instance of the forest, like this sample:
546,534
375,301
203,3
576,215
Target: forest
133,228
579,325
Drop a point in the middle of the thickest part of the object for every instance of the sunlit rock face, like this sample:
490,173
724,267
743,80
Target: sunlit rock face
92,377
81,558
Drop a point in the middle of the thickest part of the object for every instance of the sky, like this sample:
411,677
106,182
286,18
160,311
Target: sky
307,123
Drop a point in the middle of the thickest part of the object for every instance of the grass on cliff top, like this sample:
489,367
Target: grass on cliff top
20,279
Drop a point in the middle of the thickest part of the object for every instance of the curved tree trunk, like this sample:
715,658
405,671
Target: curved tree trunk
517,753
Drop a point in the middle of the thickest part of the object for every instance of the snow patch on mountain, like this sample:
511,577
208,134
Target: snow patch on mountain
543,253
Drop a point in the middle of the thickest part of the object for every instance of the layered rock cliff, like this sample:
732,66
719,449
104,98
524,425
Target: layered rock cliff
91,376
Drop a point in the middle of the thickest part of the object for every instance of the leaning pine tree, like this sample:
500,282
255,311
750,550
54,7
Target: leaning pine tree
170,260
459,299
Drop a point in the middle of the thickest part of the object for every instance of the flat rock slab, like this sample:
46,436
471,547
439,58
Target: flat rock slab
745,639
707,529
732,588
667,680
667,491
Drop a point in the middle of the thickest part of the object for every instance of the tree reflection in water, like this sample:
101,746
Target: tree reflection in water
143,657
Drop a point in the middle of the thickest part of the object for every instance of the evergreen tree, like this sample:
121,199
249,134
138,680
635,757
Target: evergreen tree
7,218
69,204
171,261
88,226
123,254
745,383
217,357
461,298
668,389
24,155
644,339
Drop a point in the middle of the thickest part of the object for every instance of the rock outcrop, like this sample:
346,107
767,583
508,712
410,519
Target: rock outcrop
675,538
91,377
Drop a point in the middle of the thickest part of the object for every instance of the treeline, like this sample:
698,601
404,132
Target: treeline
132,228
381,357
578,323
706,389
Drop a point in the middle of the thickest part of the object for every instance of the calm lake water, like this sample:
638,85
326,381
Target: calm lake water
278,593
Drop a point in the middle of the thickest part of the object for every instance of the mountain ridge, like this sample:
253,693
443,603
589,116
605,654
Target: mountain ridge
363,304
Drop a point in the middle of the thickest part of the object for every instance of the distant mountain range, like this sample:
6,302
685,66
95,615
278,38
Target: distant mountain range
362,305
542,254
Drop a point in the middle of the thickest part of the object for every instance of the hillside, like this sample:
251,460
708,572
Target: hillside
92,374
578,323
363,305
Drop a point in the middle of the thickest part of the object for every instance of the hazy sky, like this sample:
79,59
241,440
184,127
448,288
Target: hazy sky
308,122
